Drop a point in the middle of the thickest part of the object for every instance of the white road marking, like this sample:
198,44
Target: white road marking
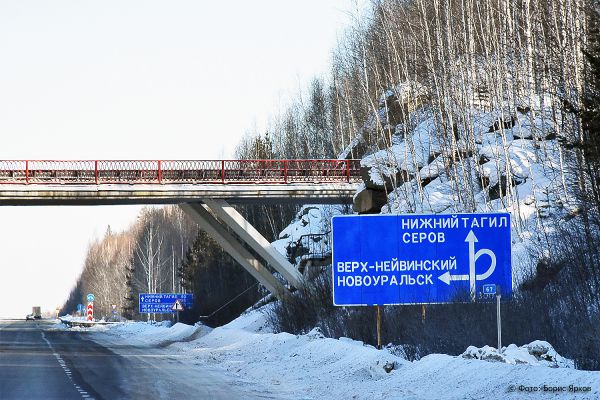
61,362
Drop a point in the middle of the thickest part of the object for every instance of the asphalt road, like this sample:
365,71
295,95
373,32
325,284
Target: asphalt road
39,362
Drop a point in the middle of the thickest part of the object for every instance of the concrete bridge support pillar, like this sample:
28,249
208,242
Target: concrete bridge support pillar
231,245
238,224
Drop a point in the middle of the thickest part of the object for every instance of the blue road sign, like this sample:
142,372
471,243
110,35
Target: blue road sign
79,307
419,259
90,298
162,303
489,289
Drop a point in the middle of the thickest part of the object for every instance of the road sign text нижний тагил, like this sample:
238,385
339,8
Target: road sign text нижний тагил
419,259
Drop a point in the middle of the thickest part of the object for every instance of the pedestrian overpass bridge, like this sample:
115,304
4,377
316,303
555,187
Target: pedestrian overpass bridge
204,189
95,182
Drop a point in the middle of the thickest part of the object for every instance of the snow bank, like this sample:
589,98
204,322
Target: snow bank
539,353
152,334
93,328
313,367
307,365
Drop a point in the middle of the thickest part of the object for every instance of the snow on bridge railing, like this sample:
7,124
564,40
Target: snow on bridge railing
96,172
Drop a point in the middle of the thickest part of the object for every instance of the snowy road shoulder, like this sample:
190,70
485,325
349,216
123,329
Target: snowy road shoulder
313,367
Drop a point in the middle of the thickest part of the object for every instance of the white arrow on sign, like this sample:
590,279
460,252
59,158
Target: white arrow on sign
446,277
472,277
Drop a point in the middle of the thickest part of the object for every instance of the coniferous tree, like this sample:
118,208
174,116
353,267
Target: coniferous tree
222,289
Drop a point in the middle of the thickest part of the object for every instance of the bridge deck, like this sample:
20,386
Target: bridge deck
28,182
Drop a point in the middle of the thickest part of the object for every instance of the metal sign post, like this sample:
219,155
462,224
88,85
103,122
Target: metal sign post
379,327
498,318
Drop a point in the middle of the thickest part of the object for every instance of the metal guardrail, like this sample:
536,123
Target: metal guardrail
98,172
313,246
85,324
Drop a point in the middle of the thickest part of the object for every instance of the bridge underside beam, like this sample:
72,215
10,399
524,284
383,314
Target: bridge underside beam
231,245
43,194
254,239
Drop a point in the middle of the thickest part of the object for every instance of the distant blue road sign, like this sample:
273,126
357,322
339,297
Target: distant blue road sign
162,303
419,259
79,307
90,298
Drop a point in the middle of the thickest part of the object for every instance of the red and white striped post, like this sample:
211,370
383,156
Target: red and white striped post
90,311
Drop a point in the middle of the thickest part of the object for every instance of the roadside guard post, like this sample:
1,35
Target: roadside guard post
90,312
419,259
90,307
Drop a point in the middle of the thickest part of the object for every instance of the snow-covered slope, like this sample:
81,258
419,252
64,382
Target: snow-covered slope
492,162
509,160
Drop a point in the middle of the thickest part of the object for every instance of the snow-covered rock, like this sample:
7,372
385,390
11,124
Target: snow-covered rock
538,353
494,160
308,232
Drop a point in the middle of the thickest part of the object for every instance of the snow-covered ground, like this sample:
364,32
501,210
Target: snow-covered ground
314,367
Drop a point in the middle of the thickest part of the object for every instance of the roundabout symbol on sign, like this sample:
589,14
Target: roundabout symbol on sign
472,277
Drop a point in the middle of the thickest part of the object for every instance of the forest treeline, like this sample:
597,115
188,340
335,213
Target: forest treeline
163,251
532,61
398,61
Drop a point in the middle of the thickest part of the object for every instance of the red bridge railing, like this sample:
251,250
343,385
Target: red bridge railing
97,172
